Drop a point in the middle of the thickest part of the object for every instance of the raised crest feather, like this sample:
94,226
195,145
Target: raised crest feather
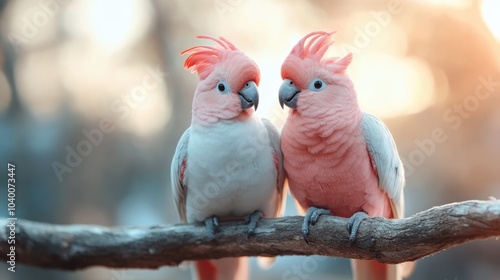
202,59
313,47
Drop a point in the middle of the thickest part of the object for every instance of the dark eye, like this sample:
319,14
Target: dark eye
317,84
223,87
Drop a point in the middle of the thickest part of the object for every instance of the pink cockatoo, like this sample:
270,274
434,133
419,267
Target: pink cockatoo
338,159
228,163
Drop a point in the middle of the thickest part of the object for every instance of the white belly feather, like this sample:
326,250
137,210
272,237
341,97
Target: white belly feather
230,170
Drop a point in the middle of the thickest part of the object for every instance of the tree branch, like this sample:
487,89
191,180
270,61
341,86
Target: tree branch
389,241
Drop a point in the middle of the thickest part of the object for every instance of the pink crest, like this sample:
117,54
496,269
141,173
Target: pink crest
317,46
202,59
313,47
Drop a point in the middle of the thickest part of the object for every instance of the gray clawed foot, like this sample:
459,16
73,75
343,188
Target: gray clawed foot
353,225
312,216
211,224
251,220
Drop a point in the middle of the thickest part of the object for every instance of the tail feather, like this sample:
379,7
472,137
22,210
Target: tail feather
266,262
221,269
205,270
373,270
407,268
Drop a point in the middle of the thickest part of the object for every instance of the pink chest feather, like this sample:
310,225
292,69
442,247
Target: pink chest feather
333,172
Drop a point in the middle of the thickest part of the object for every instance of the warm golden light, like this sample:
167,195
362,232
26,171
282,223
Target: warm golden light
134,96
150,112
269,87
451,3
490,10
94,98
388,86
39,90
116,23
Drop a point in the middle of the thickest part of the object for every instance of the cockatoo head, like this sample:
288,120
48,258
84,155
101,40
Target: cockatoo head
313,83
228,81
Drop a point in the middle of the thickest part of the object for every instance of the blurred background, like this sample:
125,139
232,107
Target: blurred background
104,79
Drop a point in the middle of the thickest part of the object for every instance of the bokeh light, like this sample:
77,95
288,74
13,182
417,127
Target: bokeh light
490,10
39,89
5,93
130,21
389,86
65,65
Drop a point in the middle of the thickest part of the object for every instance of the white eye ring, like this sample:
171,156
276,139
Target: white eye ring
317,85
223,87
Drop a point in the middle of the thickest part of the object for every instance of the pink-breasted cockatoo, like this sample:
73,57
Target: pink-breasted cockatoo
228,163
338,159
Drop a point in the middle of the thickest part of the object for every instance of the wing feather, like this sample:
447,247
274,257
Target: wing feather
177,171
275,140
384,152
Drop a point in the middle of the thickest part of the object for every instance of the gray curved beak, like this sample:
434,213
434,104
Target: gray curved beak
249,96
289,94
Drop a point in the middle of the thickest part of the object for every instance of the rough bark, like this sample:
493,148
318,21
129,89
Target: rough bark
390,241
